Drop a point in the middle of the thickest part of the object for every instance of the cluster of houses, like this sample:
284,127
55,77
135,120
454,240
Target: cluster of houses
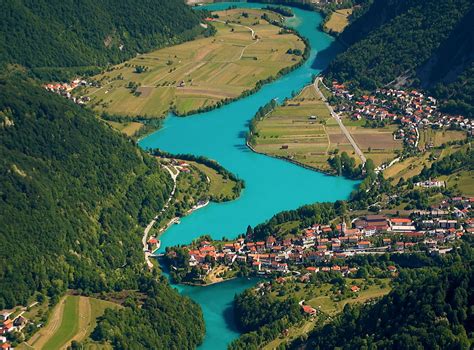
10,323
320,244
65,89
412,109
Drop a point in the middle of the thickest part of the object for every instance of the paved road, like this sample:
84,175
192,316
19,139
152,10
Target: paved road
357,150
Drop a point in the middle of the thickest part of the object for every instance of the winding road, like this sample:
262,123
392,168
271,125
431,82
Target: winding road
153,222
357,150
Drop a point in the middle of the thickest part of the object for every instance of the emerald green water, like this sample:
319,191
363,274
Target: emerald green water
272,185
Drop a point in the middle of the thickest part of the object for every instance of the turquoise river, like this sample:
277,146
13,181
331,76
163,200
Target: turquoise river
272,185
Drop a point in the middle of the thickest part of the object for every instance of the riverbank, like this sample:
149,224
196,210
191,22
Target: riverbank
295,162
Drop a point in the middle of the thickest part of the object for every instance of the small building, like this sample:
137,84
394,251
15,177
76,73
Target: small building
284,146
355,289
309,310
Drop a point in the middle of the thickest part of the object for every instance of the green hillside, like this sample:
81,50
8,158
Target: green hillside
68,33
73,196
428,308
406,42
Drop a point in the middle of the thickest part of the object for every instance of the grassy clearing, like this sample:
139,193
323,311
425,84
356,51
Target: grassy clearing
219,186
414,165
324,297
338,21
463,180
327,299
198,73
129,128
293,333
435,138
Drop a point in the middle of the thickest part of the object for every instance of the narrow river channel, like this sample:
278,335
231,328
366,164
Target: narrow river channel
272,185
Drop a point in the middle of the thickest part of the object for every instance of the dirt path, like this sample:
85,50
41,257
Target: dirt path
54,322
339,121
85,321
245,47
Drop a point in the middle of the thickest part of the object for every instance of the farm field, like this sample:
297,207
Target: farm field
303,130
338,20
73,318
199,73
377,144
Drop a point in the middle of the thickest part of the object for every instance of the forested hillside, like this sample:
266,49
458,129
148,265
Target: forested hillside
73,196
42,33
411,42
428,308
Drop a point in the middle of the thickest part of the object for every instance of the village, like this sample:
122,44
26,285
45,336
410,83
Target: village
323,248
65,90
411,109
12,323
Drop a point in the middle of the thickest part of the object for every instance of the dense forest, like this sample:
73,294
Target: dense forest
262,318
402,42
73,196
164,320
253,311
87,33
428,308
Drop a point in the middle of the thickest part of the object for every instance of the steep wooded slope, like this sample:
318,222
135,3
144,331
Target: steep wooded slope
42,33
411,42
73,197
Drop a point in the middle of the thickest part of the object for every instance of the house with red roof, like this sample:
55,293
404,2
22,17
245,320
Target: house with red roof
308,310
355,289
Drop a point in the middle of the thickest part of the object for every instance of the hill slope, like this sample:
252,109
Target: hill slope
406,42
73,196
429,308
43,33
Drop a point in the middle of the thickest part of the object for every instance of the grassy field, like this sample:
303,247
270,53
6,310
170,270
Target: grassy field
73,318
219,187
198,73
377,144
338,20
129,128
414,165
323,296
303,130
435,138
463,180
